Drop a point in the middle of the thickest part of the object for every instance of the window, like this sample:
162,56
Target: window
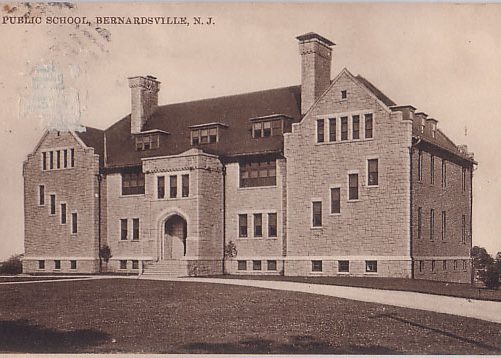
258,225
65,158
53,204
352,186
432,265
455,265
73,264
335,200
464,264
204,136
41,195
256,265
242,265
317,214
356,127
123,264
419,222
432,169
242,225
161,187
44,160
57,264
135,264
344,128
63,213
258,173
316,266
272,225
173,186
444,265
370,266
444,173
332,130
320,131
372,172
41,264
444,225
463,230
185,185
432,223
368,126
147,142
135,229
123,229
58,159
51,160
433,130
421,266
272,265
344,94
72,157
420,165
74,223
267,129
343,266
132,183
463,178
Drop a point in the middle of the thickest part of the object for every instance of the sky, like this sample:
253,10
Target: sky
443,59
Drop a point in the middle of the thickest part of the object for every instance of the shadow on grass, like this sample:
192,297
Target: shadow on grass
442,332
296,345
21,336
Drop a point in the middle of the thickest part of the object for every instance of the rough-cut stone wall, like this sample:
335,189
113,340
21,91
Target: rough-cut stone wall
452,199
250,201
45,237
202,210
375,227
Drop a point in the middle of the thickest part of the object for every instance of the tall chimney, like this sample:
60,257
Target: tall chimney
144,100
315,53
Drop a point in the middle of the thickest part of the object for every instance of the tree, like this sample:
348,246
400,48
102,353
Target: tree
105,254
481,258
498,261
12,266
490,276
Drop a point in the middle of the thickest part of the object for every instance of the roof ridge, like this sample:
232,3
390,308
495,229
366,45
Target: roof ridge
230,95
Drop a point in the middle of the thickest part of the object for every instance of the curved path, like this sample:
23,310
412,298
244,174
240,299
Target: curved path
484,310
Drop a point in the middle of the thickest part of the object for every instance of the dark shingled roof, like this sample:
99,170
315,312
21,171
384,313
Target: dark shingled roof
94,138
234,111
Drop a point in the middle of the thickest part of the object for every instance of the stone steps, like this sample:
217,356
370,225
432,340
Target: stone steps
171,268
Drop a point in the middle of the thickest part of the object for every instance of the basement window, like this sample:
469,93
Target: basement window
316,266
370,266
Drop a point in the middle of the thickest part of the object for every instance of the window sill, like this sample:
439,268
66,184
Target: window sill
371,273
258,187
176,198
257,238
131,195
317,272
372,186
353,200
343,273
316,227
361,140
335,214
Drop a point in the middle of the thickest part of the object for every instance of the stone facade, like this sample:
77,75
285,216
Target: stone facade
376,225
46,237
337,172
432,247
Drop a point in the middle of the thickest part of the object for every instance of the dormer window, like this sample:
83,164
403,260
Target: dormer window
147,142
206,133
267,129
422,124
433,129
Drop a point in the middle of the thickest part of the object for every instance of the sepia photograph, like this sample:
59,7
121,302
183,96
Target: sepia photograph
250,178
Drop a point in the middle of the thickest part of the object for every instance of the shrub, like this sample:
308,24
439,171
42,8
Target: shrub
105,253
230,250
12,266
490,277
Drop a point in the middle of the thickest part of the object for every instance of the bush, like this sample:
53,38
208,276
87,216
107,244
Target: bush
12,266
490,277
105,253
230,250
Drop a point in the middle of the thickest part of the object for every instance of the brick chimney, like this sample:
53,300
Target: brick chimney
315,53
144,100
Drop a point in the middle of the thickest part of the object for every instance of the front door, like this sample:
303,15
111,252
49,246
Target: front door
175,237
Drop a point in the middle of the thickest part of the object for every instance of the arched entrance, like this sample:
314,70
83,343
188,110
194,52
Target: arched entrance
175,232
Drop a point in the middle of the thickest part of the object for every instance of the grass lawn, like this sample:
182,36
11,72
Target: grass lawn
401,284
142,316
